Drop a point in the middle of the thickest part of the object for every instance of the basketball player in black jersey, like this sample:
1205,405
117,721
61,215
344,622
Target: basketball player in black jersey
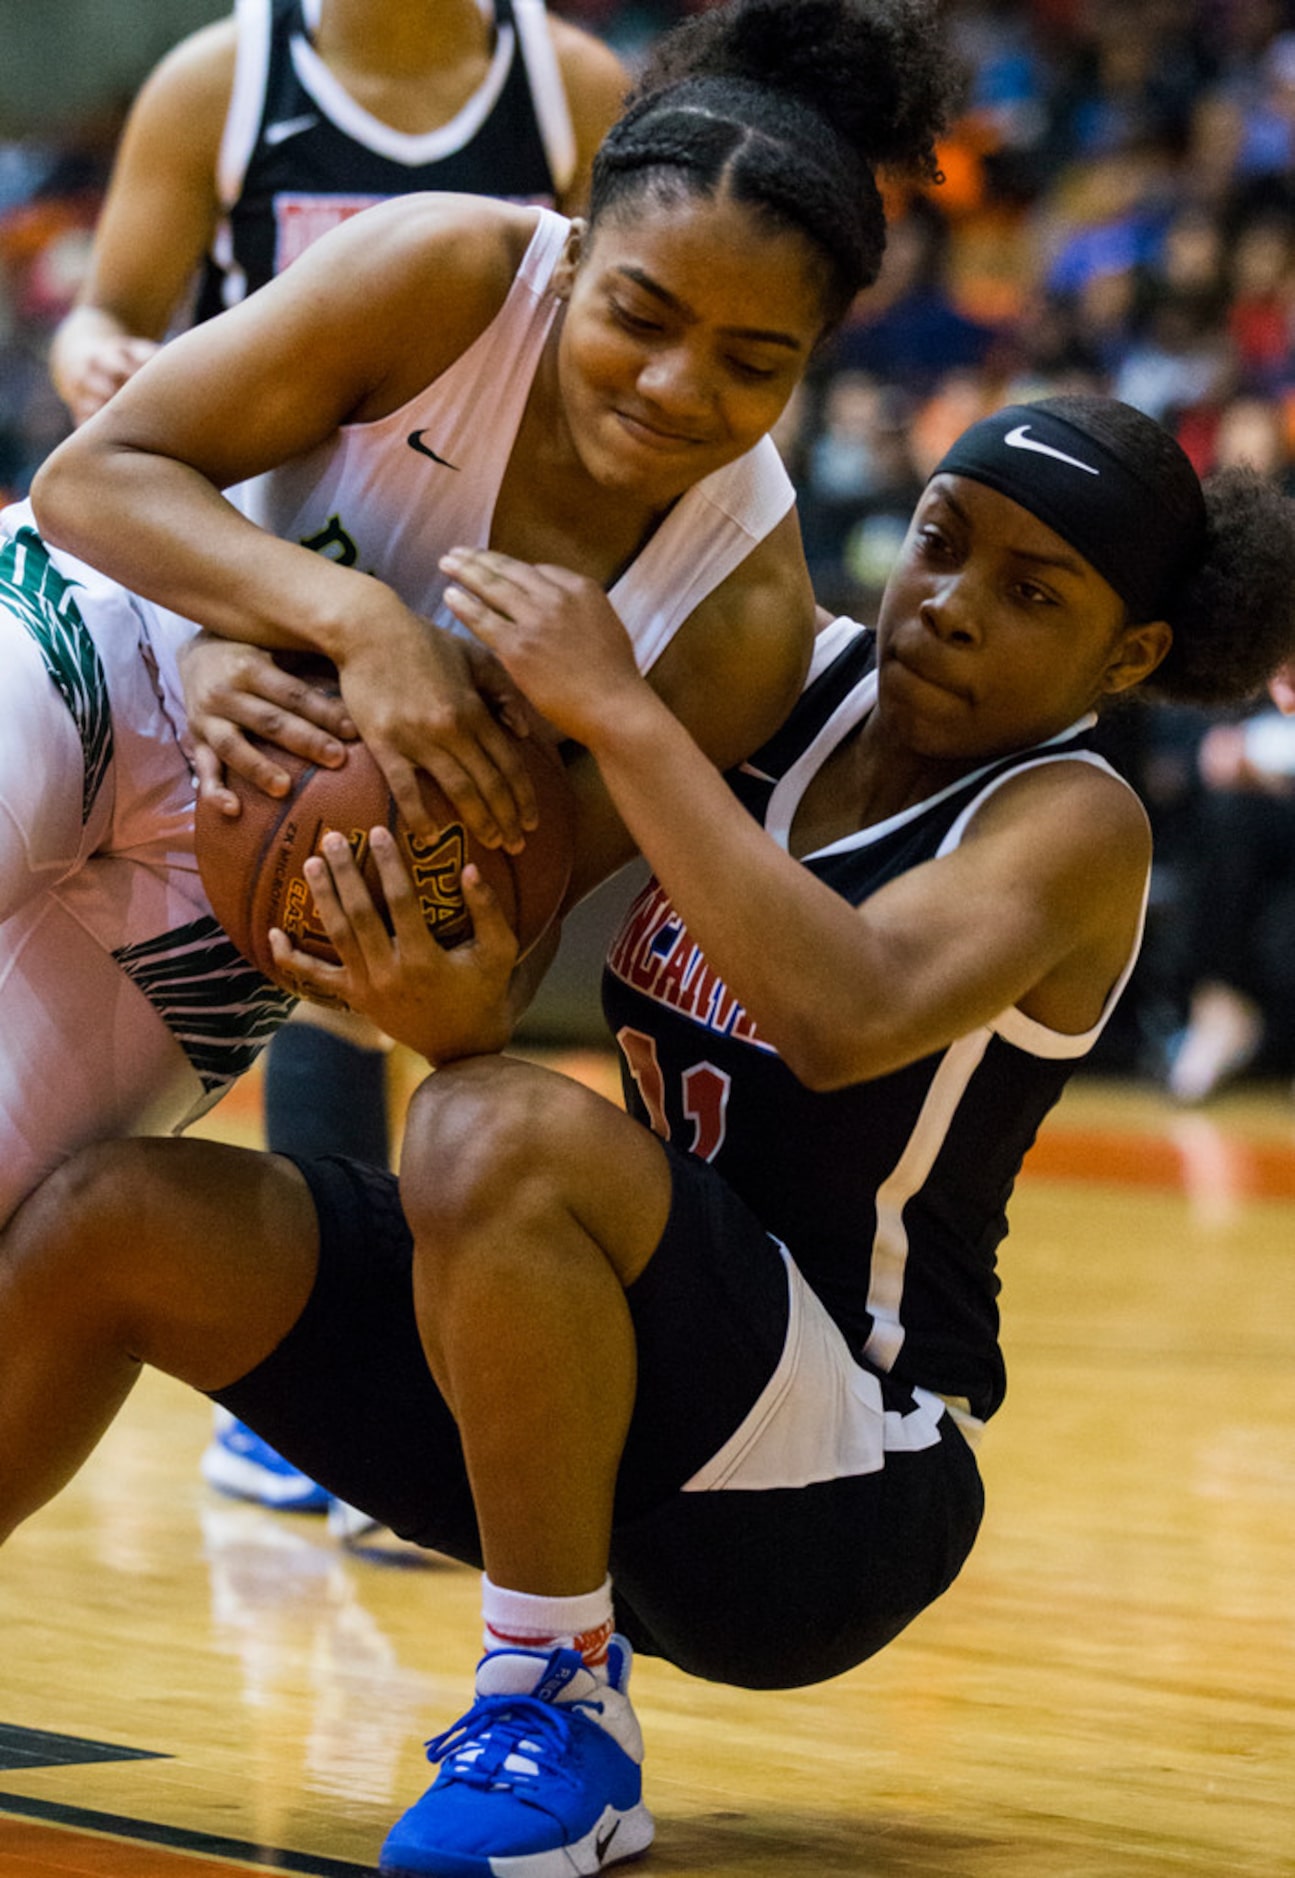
258,133
704,1378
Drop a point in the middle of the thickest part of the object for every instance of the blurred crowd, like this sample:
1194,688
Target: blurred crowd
1118,213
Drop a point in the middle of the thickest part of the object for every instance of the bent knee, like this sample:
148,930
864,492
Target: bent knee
55,1245
484,1139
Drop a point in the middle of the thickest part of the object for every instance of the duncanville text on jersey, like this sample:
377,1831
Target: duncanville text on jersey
654,953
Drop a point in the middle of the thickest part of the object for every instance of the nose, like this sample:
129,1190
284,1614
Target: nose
949,611
676,384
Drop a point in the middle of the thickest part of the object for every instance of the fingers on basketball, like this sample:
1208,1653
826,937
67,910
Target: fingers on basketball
252,865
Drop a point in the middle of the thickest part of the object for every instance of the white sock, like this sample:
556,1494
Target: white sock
517,1620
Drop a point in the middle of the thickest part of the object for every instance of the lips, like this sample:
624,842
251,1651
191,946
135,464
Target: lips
657,436
930,671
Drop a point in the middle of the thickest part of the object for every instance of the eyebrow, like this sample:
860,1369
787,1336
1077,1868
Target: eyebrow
1066,563
763,335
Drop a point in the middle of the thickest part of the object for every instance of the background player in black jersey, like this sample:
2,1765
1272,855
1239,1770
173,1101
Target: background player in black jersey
250,140
733,1349
232,160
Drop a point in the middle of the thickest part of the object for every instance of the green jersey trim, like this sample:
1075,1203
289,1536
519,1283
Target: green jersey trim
41,599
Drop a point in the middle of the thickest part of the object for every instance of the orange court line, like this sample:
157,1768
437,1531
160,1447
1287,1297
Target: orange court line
35,1849
31,1851
1184,1158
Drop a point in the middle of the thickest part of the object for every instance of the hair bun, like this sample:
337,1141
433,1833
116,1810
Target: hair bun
877,70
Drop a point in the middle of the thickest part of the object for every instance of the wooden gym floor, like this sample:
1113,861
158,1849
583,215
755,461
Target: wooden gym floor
190,1688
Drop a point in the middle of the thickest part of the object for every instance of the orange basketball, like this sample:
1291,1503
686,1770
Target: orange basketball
251,864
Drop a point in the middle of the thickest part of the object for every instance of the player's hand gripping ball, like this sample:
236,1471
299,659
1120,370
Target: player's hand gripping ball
251,864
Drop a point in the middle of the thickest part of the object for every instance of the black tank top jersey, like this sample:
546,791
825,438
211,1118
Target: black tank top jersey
890,1194
306,173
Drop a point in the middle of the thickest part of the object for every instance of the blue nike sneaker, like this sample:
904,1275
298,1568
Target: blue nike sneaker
542,1778
239,1463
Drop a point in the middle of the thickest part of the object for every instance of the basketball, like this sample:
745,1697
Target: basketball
251,864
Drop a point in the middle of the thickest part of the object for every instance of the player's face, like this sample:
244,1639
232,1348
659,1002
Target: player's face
993,632
687,328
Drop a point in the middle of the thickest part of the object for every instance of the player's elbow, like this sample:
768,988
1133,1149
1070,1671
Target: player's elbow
55,494
833,1047
824,1056
69,494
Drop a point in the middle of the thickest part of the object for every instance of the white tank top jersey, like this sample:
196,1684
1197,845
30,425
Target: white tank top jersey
391,496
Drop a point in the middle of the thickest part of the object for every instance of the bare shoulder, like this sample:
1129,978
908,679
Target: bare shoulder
470,243
421,276
1063,851
591,71
1072,783
596,86
1083,825
736,666
169,151
194,77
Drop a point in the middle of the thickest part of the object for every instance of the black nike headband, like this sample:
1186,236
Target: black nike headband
1108,511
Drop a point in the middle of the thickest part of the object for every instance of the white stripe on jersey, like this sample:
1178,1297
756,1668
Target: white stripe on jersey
246,98
909,1175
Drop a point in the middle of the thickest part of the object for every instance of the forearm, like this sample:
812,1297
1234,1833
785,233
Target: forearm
162,530
793,961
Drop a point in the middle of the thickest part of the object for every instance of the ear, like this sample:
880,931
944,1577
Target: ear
564,274
1137,653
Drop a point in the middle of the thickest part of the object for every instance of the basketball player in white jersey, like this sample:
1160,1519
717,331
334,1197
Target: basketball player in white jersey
253,138
444,369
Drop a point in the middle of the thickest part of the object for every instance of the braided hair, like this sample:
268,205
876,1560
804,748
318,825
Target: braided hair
792,107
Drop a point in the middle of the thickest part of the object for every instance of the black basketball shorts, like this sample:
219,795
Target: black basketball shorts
781,1511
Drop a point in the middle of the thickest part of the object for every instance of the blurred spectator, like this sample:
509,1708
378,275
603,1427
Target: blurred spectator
957,401
1243,906
49,200
1132,76
1260,316
1240,906
1267,151
908,329
857,488
1246,429
1177,360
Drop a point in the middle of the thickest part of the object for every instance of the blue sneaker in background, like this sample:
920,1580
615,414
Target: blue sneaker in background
542,1777
239,1463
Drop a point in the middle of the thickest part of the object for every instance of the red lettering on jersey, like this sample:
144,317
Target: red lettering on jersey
654,952
300,220
745,1031
678,965
726,1011
646,912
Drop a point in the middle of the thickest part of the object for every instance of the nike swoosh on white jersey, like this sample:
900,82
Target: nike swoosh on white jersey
290,127
1019,439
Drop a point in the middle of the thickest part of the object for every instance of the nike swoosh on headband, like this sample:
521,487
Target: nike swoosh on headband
1020,439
